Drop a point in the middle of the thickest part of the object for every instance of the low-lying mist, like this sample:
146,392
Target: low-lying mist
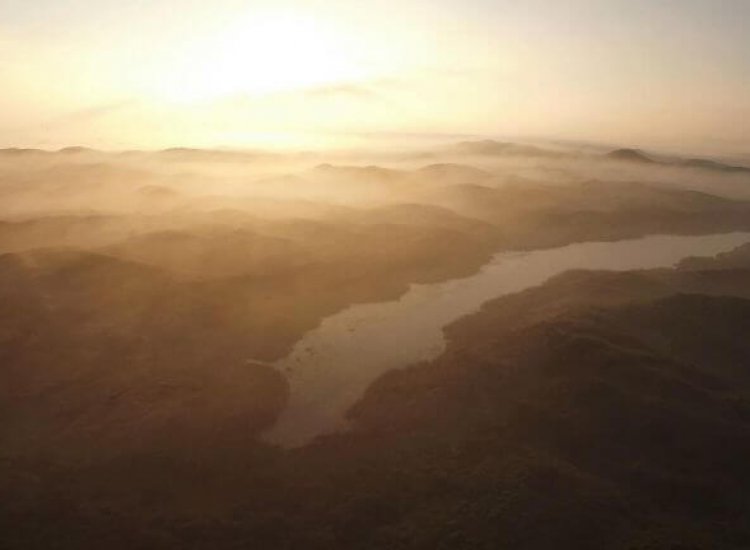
154,304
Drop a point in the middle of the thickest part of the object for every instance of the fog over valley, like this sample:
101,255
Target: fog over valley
160,309
318,275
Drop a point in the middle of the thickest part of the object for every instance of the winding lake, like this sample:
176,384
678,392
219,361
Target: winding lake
332,365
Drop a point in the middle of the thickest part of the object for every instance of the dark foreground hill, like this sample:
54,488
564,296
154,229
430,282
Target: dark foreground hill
599,411
138,317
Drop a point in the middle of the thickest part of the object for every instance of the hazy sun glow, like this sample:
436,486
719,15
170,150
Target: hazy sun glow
258,54
167,72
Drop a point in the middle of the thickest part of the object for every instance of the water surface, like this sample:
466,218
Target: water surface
332,365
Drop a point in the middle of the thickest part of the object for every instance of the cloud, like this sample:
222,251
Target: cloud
95,112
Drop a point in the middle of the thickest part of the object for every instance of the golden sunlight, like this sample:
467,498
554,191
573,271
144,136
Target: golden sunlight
258,54
373,275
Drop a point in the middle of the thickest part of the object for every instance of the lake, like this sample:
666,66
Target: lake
331,366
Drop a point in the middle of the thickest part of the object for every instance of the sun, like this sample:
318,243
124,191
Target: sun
258,54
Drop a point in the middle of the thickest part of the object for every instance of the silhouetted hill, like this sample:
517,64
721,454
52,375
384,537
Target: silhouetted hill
545,216
638,156
357,174
629,155
714,165
616,419
453,173
424,215
77,150
210,155
498,148
736,259
130,354
16,152
205,253
62,230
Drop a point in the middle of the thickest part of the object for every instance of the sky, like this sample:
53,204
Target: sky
277,73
